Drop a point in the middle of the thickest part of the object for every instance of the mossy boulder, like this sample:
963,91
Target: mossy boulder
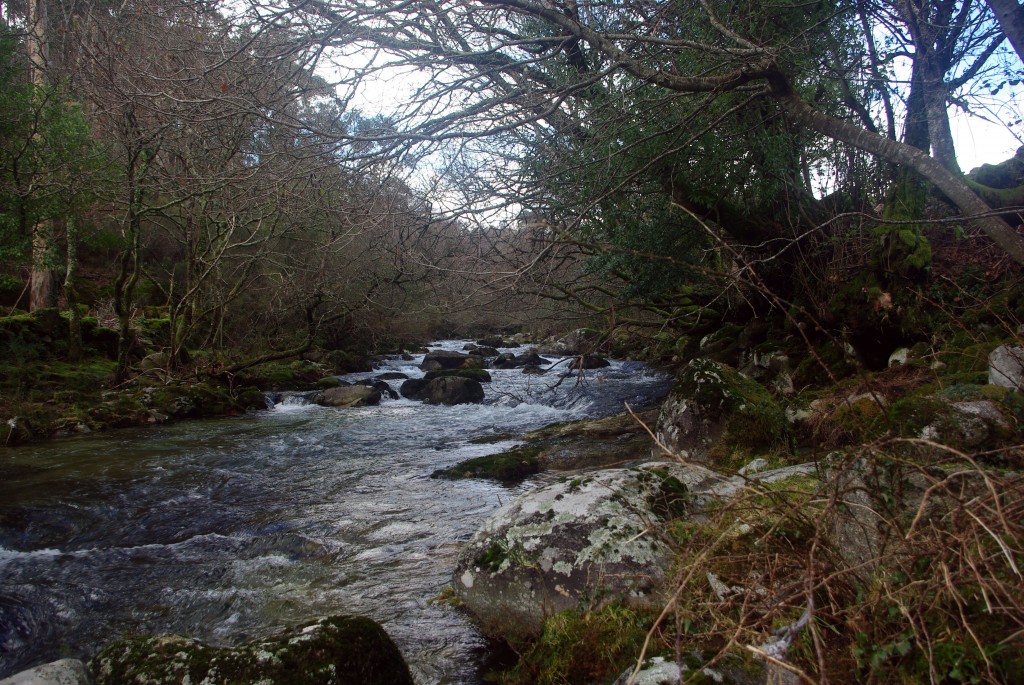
716,414
276,376
579,541
341,649
509,467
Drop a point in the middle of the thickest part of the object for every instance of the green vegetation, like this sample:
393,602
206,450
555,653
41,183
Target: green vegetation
510,467
582,647
341,648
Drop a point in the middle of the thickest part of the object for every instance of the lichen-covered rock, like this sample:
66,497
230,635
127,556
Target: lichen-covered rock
349,396
713,409
336,650
581,540
1006,367
63,672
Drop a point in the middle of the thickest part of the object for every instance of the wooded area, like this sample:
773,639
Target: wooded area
617,157
764,198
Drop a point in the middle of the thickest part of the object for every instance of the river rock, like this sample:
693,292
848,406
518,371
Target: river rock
349,396
478,375
380,386
340,649
413,389
391,376
493,341
443,359
63,672
1006,367
714,408
574,542
453,390
590,361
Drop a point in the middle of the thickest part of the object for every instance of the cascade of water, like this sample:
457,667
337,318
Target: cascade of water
232,529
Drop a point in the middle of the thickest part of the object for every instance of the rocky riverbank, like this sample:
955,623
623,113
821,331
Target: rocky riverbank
774,533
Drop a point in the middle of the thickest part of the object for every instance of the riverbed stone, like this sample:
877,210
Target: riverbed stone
589,361
335,650
437,360
453,390
581,540
63,672
349,396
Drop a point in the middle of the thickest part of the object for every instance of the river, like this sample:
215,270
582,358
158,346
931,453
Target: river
230,530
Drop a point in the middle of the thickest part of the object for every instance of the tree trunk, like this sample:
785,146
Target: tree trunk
71,292
954,187
939,132
1010,16
43,291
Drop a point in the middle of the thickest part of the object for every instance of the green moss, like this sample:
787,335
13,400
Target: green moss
338,649
157,330
582,647
809,372
754,421
509,467
669,497
295,375
329,382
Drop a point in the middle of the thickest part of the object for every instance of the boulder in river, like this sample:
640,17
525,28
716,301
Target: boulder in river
437,360
478,375
414,389
577,541
589,361
453,390
349,396
340,649
380,386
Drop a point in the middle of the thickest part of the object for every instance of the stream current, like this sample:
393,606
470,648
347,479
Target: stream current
231,530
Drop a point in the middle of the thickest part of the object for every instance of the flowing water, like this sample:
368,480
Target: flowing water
231,530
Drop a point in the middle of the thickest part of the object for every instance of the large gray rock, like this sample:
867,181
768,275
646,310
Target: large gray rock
1006,367
63,672
341,649
575,541
453,390
349,396
879,501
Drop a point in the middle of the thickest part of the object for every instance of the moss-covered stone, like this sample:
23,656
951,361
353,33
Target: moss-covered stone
337,650
717,414
509,467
